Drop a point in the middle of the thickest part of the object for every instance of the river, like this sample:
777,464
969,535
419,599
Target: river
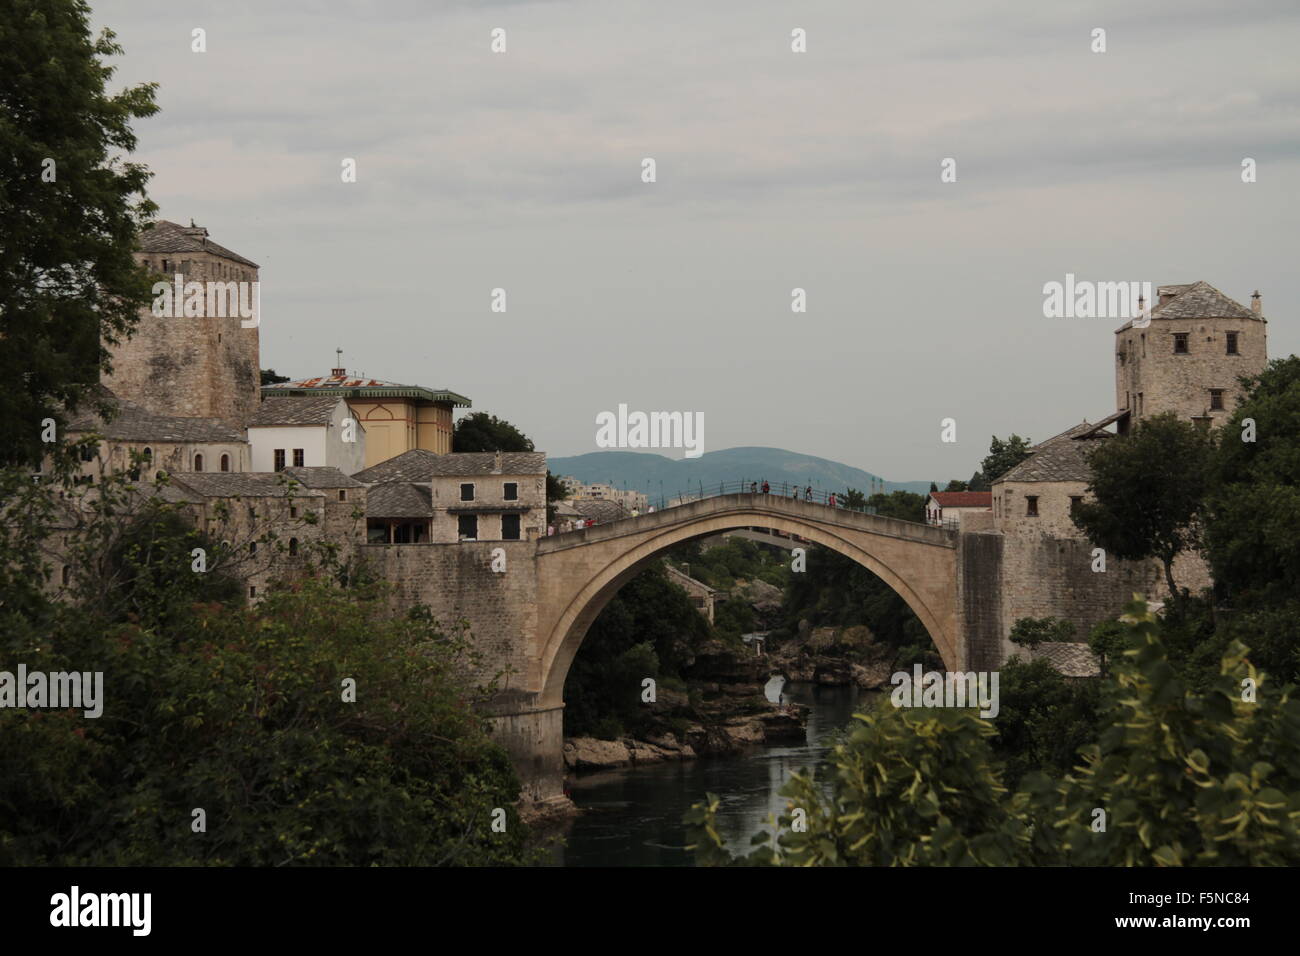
633,817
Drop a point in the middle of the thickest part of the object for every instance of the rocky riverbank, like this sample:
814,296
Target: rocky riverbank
834,656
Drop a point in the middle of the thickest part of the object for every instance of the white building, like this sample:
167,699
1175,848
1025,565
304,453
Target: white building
295,431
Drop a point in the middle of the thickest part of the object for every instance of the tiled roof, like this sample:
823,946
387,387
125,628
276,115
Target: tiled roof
166,236
295,410
421,465
399,499
353,386
1070,658
1200,300
1060,458
963,499
246,484
321,476
134,423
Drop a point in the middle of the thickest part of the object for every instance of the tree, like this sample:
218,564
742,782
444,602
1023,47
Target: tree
483,432
1176,778
1254,511
1032,631
854,499
1002,457
234,710
270,378
71,209
955,485
1149,488
933,487
906,505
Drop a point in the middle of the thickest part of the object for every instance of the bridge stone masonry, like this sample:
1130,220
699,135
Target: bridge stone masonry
966,587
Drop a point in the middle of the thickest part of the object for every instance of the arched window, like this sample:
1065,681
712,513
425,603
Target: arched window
252,547
293,545
198,462
225,462
148,454
67,575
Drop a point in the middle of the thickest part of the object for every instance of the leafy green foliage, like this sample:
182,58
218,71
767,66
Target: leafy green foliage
1002,457
648,629
69,285
480,431
1032,631
1149,488
906,505
1183,778
836,591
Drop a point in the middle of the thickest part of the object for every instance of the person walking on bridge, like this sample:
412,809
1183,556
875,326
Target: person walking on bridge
831,500
767,489
807,493
753,487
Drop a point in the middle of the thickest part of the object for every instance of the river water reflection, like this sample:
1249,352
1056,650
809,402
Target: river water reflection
634,817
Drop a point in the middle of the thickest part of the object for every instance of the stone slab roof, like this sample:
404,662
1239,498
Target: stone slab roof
1200,300
321,476
963,499
245,484
421,465
399,499
295,410
1063,457
1070,658
166,236
135,423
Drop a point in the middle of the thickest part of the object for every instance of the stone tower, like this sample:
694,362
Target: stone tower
201,365
1189,358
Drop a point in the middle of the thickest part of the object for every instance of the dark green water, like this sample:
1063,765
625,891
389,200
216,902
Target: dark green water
634,817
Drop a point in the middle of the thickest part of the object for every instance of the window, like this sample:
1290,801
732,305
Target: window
1031,506
198,462
512,491
166,265
510,527
279,459
87,452
252,592
1140,404
467,491
1232,344
1216,399
467,527
225,462
343,494
67,575
293,546
252,512
299,457
293,511
252,547
1180,343
1075,500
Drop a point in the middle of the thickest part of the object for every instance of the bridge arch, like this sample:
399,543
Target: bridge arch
580,572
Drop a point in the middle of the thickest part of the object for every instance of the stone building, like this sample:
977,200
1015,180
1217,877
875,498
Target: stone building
947,507
396,418
296,431
1189,358
274,525
192,365
168,443
477,496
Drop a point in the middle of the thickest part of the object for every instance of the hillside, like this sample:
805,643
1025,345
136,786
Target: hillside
655,473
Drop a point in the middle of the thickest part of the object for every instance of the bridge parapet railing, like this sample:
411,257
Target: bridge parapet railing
834,499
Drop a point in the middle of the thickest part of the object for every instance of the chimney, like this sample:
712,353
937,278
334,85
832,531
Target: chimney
338,372
1255,305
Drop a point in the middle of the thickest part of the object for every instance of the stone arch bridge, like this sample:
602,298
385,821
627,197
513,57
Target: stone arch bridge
528,623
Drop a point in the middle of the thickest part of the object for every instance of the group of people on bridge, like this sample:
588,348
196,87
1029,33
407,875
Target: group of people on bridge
766,489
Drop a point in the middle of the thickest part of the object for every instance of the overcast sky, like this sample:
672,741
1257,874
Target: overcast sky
775,170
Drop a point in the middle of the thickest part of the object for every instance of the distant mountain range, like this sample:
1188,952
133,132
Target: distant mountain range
640,471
